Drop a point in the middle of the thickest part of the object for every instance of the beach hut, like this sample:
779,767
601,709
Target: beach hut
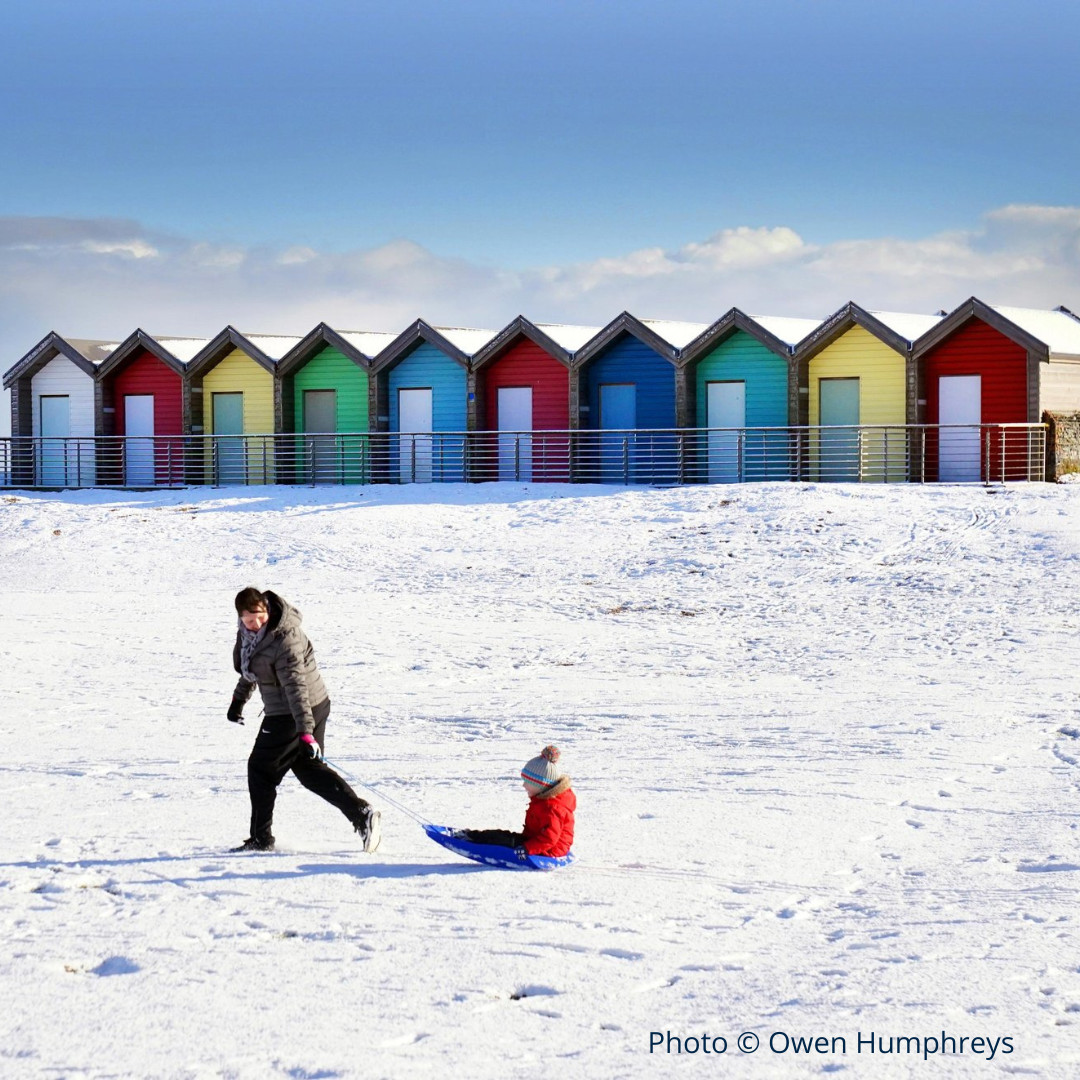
857,369
325,398
421,388
55,402
739,378
623,383
143,400
522,388
990,366
235,396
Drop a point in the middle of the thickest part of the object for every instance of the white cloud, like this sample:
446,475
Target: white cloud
102,278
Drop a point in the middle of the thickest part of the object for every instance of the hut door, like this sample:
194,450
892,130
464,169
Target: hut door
618,414
515,415
138,449
320,415
725,408
959,402
229,420
415,415
839,448
55,427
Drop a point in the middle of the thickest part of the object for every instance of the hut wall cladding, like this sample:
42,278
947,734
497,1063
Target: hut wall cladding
237,372
330,369
61,377
881,371
630,361
526,364
742,359
146,374
428,366
979,349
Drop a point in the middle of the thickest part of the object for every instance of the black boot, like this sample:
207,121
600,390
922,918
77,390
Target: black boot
254,844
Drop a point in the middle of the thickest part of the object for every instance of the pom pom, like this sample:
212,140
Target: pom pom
550,753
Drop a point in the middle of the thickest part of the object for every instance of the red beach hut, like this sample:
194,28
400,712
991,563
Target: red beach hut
142,393
522,380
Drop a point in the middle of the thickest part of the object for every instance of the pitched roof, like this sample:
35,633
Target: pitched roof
93,349
469,340
907,325
791,331
679,334
568,336
368,342
1057,329
184,349
273,345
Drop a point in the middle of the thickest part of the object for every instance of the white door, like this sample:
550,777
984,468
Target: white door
54,424
414,415
725,407
515,414
138,449
959,402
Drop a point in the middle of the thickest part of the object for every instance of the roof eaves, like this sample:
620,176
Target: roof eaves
621,325
974,308
411,339
139,339
313,342
49,347
520,327
215,350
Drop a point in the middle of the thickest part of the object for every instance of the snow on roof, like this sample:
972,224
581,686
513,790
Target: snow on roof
571,338
185,349
1059,331
907,325
273,345
468,340
679,334
790,331
93,350
368,342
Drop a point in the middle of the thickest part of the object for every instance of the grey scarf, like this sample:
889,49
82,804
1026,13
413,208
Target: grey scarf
249,639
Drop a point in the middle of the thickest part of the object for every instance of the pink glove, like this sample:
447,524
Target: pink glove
310,746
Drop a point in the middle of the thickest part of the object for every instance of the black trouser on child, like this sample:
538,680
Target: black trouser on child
276,751
502,837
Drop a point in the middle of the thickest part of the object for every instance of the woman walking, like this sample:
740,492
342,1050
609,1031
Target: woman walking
273,653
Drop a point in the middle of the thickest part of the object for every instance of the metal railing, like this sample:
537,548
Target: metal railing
982,453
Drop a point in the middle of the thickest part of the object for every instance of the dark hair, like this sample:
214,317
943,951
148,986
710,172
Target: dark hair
251,599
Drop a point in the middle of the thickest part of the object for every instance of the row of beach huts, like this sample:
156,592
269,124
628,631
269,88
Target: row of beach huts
858,370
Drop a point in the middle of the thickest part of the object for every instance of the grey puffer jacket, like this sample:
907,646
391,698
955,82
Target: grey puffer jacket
284,664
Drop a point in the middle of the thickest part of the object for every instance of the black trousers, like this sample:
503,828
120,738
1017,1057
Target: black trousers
502,837
276,751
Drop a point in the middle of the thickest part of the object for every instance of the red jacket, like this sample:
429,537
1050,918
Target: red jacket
549,821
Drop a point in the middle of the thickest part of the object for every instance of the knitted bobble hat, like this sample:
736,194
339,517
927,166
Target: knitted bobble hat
542,771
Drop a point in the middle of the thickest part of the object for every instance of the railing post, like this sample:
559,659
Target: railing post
626,459
1004,433
986,432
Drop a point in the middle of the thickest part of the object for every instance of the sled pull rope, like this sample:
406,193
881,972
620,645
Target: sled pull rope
419,819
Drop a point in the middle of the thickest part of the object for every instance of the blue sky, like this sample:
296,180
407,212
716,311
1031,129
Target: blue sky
182,166
521,134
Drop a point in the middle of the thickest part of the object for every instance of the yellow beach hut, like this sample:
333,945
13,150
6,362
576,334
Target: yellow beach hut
236,397
857,379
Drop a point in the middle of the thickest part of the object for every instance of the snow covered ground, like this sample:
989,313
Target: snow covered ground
825,740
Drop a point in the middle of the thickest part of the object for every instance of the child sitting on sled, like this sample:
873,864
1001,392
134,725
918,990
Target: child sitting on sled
549,821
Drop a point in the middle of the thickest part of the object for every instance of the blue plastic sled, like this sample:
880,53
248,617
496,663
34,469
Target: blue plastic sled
493,854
